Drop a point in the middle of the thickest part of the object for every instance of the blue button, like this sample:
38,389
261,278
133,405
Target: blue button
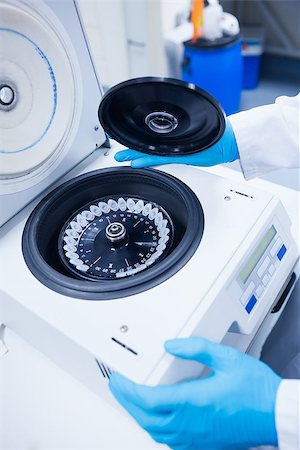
281,252
250,304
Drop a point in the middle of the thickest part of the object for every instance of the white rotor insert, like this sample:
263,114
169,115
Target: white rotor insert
37,91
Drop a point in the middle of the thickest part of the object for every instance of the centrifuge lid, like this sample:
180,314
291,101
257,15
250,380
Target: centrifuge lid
162,116
38,92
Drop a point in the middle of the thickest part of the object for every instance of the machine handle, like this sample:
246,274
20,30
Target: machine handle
284,294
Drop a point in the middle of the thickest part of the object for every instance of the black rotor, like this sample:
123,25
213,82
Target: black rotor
114,238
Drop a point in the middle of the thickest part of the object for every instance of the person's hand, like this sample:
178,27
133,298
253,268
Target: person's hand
225,150
234,407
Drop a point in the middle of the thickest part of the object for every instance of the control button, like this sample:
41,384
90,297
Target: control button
276,247
259,291
261,270
245,297
251,304
266,279
276,263
281,252
271,269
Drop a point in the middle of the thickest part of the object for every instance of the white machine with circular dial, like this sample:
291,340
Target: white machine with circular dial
163,254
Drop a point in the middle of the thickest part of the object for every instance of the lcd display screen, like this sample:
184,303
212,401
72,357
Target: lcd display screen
257,254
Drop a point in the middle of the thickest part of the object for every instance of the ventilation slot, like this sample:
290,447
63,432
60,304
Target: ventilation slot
106,372
124,346
240,193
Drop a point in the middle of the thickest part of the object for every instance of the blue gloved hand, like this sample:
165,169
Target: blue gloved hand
225,150
232,408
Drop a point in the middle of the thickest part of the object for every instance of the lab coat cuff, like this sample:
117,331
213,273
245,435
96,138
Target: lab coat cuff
287,415
240,125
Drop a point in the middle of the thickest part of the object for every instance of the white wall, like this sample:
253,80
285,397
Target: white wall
145,38
127,36
172,11
104,23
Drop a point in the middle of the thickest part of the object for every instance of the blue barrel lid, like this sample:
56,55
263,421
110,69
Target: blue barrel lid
206,44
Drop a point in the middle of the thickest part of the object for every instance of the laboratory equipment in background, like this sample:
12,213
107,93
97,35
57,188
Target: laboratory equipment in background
212,58
253,37
110,262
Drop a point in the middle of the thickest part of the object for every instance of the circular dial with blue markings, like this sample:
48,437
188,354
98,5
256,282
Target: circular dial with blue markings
115,238
37,90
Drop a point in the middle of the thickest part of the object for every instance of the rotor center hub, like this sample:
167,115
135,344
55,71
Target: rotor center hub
161,122
7,95
115,231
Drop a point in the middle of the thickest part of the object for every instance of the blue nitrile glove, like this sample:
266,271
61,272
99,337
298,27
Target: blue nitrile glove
225,150
234,407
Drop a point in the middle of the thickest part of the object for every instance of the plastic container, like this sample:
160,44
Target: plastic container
217,67
252,49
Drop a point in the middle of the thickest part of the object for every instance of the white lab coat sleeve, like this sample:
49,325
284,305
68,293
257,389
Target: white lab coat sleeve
287,415
268,136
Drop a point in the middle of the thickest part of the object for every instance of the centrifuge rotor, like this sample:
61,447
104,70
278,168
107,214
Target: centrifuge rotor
176,216
115,238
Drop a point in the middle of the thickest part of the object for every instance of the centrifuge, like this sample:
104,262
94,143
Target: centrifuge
106,262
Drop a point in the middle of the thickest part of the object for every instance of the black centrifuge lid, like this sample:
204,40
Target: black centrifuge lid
162,116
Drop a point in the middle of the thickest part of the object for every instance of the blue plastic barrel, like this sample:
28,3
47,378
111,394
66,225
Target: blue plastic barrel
217,67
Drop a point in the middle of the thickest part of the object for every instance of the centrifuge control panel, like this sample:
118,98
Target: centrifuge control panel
259,267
